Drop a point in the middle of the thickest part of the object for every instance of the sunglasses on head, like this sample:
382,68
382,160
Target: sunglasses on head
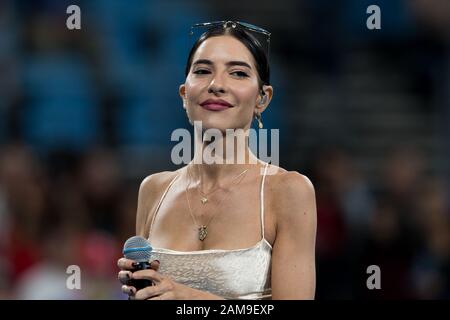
235,24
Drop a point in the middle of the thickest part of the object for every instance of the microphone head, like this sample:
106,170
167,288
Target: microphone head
137,248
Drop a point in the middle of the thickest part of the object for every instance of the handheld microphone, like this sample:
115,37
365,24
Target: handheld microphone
138,249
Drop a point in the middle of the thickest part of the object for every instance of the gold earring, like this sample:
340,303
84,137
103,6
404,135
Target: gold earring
258,118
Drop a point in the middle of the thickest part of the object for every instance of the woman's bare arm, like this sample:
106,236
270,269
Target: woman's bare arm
150,191
293,255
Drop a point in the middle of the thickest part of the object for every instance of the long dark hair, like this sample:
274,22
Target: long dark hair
248,40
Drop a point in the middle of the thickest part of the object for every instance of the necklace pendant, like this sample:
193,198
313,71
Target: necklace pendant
204,200
202,232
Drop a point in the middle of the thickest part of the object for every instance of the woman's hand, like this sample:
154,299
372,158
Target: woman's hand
127,267
163,288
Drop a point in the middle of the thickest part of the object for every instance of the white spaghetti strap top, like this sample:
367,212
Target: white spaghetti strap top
231,274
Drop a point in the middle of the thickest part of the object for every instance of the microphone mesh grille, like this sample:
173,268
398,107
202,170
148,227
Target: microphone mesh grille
137,248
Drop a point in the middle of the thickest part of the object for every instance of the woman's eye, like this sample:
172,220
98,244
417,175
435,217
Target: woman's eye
240,74
201,71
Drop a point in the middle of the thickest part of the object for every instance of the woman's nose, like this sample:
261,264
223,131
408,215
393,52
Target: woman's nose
215,89
216,86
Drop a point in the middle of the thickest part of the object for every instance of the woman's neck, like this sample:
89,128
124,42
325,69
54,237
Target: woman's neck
216,162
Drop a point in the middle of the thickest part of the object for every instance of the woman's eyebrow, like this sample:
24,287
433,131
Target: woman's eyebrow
228,64
203,61
238,63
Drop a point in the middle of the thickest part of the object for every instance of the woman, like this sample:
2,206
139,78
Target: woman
226,231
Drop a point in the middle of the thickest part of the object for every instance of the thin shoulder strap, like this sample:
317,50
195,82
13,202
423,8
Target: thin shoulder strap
262,200
159,203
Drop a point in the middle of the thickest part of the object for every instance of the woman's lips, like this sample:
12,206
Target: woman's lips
214,106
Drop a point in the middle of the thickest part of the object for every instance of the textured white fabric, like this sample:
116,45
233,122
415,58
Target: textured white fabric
232,274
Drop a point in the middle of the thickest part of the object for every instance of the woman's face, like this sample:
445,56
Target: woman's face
221,89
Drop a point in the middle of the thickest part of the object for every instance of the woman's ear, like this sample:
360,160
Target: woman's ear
182,93
265,98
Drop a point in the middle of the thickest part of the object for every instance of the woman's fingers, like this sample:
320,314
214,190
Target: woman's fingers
125,264
129,290
163,296
147,274
124,276
150,292
154,265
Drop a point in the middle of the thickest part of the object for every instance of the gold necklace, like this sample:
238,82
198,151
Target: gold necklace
204,196
203,229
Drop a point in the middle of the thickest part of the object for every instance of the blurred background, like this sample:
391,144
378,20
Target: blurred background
85,115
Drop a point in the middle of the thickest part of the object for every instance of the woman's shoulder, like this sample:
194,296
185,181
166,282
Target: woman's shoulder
157,180
288,190
282,180
151,190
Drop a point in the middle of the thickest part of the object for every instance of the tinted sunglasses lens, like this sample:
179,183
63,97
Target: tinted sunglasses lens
263,36
254,28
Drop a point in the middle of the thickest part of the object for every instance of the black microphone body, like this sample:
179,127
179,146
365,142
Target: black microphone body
138,249
140,283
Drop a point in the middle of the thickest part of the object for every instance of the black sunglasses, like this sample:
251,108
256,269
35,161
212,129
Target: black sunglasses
234,24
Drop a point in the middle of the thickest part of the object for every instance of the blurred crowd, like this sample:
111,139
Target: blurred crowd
51,219
85,116
402,226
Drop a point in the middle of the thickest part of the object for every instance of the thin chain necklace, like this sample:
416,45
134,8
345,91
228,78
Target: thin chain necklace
203,229
204,196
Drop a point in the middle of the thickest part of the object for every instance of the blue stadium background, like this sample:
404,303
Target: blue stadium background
86,115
